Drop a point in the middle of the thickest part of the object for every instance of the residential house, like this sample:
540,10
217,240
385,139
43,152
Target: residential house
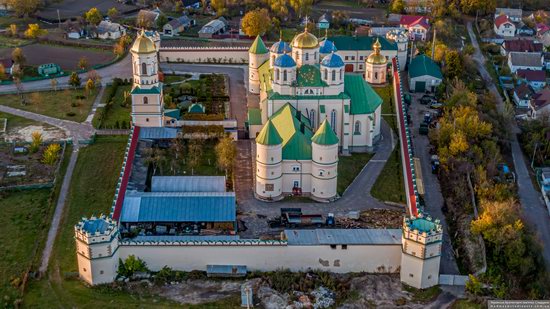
504,26
535,79
191,4
424,74
418,26
177,25
213,27
418,6
521,45
109,30
515,15
527,61
546,60
524,30
74,33
540,104
522,95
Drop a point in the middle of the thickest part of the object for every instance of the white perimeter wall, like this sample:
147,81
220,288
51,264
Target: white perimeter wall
356,258
204,55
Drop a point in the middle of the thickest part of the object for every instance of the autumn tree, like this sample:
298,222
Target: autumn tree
51,154
112,13
23,7
74,80
440,50
143,21
194,153
219,6
226,151
93,16
18,57
83,63
397,6
439,8
89,87
13,30
483,6
53,83
279,7
2,71
301,7
453,63
161,21
256,22
33,31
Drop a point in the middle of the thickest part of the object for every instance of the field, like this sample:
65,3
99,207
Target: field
26,214
57,104
388,106
389,185
349,167
117,114
66,57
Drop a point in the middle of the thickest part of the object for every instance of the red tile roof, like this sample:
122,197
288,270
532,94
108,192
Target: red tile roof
522,46
532,76
413,20
541,98
502,19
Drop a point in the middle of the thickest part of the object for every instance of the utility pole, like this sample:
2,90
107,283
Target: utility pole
58,19
534,152
433,44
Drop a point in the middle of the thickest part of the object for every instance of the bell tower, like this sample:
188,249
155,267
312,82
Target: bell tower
147,96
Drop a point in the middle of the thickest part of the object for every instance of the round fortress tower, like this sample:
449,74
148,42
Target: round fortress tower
324,163
269,163
258,54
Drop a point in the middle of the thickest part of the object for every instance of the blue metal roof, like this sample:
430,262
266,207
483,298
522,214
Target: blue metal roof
284,61
343,237
157,133
332,61
179,207
188,184
97,225
280,47
327,47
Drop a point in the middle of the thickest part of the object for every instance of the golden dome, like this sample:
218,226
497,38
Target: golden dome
376,57
305,40
143,45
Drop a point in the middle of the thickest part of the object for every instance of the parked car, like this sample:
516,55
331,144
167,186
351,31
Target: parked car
428,117
423,129
435,105
435,164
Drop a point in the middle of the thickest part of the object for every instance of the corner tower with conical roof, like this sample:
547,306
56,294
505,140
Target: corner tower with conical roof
269,161
258,54
376,66
324,162
147,98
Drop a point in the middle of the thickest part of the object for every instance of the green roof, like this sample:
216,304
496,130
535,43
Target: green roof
422,225
196,108
309,76
294,128
423,65
258,47
325,135
361,43
269,135
254,116
364,100
172,113
265,76
153,90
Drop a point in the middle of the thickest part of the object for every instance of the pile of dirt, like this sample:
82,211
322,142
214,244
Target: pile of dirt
200,291
25,133
374,219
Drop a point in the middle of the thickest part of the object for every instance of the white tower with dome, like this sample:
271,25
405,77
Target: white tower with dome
376,66
147,95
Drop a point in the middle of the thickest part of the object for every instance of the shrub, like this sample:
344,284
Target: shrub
71,114
36,141
51,154
130,266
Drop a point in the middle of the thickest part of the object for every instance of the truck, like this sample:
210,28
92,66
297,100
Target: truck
293,217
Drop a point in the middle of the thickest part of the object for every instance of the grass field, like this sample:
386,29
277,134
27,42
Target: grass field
389,185
388,107
24,222
60,104
15,122
349,167
117,113
11,42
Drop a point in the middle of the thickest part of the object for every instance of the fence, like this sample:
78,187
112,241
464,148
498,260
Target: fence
453,280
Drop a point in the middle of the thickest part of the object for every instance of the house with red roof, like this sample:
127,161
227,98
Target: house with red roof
504,26
540,104
521,45
418,26
535,79
522,95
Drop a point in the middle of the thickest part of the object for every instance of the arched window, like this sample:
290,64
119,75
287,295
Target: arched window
333,75
333,120
145,100
276,74
307,56
312,118
357,129
284,75
375,75
144,68
341,72
326,74
315,56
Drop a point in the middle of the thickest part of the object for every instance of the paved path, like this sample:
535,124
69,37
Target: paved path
59,208
121,69
534,210
97,103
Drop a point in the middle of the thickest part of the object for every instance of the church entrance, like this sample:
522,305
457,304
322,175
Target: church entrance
349,67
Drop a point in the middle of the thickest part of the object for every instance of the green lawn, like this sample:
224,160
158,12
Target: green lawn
388,106
25,219
423,295
63,104
465,304
11,42
349,167
207,166
389,185
117,114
